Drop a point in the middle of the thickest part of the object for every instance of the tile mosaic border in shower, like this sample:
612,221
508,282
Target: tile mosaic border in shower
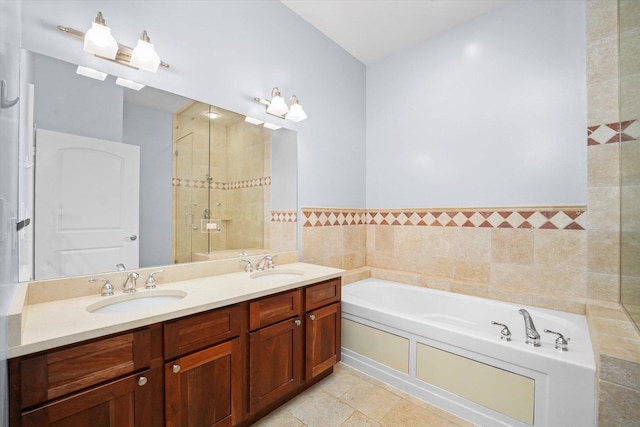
612,133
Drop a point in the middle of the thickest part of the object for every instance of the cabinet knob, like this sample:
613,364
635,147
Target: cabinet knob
175,369
312,316
298,322
142,381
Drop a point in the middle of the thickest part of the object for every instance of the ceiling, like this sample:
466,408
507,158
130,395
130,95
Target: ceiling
373,29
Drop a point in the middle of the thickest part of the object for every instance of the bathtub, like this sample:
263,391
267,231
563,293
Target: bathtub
442,348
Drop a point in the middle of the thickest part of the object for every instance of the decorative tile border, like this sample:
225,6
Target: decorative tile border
284,216
612,133
561,219
233,185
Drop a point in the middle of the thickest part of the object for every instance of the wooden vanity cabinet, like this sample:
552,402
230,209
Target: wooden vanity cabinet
276,348
223,367
107,381
203,386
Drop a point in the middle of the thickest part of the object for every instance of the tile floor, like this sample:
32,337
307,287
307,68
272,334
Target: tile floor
349,398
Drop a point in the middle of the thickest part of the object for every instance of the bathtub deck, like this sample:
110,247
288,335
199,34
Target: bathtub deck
350,398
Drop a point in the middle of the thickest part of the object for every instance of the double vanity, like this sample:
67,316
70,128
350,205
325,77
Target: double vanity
221,350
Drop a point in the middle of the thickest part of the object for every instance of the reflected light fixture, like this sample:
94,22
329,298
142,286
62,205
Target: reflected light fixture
129,83
90,72
271,126
144,56
277,106
253,121
99,41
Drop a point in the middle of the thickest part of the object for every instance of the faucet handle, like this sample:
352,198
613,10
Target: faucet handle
248,266
107,288
270,258
150,283
505,333
562,343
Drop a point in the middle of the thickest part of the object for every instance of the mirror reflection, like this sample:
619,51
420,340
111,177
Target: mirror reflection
147,178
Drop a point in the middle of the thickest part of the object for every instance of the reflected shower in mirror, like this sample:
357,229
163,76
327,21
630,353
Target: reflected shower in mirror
210,184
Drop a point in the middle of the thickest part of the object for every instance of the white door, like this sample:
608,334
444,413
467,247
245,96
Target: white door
86,205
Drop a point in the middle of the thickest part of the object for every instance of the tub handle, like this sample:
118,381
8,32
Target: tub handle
505,333
562,343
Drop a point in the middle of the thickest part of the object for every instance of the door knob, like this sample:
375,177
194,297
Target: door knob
298,322
142,381
175,369
312,316
132,237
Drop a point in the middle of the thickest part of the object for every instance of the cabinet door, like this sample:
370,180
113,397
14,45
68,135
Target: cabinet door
275,362
123,403
323,339
204,388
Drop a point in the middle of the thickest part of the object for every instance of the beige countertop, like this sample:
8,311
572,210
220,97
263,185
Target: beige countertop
42,326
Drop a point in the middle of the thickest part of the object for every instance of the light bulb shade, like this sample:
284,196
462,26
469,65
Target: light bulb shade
277,107
145,57
296,113
99,41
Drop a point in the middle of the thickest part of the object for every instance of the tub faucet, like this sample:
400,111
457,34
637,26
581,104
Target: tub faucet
533,337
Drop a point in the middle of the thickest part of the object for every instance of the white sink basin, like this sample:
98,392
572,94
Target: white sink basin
136,301
277,274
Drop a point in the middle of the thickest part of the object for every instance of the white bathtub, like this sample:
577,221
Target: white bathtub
436,325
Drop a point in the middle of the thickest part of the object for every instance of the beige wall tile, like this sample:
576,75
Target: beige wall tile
605,287
512,246
630,254
629,14
561,249
471,244
518,278
603,102
564,283
603,208
621,372
604,251
602,165
602,60
630,159
630,51
630,214
473,271
630,97
601,19
384,238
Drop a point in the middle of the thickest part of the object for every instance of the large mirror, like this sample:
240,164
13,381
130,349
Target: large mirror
138,178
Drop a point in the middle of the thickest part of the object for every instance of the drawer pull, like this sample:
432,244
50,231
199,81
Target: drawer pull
298,322
175,369
142,381
312,316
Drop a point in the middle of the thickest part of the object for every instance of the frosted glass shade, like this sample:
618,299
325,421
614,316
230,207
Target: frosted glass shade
296,113
277,107
99,41
145,57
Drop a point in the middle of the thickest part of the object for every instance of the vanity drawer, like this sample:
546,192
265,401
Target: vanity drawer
202,330
61,372
273,309
322,294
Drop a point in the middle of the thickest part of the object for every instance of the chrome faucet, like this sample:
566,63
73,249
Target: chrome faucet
266,261
533,337
130,284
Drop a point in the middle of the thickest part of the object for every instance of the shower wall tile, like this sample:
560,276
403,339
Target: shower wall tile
602,101
512,246
602,165
602,19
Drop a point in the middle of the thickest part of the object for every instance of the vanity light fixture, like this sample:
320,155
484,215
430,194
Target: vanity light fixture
144,56
90,72
129,83
277,106
99,41
296,113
